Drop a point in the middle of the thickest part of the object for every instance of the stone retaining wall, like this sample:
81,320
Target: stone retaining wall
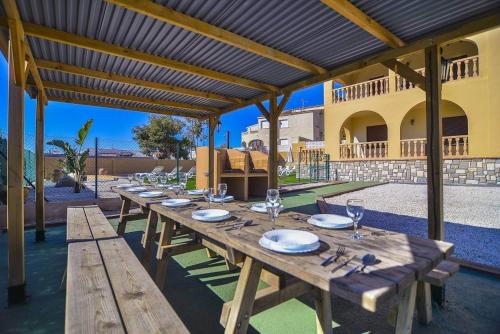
455,171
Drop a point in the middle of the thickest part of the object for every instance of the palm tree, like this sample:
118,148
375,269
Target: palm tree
75,159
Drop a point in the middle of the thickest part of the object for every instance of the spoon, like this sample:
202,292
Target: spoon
367,260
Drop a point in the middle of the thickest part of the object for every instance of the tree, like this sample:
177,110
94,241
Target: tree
196,132
75,159
159,137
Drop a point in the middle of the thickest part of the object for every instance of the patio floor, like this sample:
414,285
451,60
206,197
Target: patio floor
198,286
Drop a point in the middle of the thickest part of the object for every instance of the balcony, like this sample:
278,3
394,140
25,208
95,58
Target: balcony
460,69
453,146
364,151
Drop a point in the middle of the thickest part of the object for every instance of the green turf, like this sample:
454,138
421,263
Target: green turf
197,286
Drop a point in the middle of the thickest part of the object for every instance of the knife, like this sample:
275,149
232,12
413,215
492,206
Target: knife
343,264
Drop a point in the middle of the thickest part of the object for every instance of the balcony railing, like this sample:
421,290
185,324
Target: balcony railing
366,150
361,90
453,146
459,69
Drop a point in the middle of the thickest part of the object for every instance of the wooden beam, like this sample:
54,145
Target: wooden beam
132,98
434,143
283,102
63,37
365,22
406,72
34,72
75,70
447,34
15,186
263,110
40,168
17,47
192,24
212,124
272,170
124,107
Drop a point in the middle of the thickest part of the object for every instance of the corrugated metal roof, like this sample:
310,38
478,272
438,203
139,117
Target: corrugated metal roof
306,29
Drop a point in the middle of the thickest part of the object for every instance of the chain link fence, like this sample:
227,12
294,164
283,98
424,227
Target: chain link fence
109,163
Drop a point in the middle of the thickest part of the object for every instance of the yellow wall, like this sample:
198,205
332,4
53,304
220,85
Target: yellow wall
478,97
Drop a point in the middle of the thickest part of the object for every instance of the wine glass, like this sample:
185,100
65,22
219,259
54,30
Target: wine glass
208,194
177,190
355,209
163,180
222,192
183,181
130,178
273,205
153,178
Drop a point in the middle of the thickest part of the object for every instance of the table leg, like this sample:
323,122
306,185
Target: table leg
166,234
323,304
148,239
424,303
406,308
244,297
122,224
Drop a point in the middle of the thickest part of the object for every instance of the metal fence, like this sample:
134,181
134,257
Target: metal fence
109,163
318,169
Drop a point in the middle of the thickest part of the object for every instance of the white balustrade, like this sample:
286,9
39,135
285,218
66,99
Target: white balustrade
365,150
361,90
453,146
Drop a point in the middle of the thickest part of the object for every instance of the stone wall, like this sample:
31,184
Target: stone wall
455,171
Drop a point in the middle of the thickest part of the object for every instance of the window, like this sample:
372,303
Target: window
264,125
283,123
284,142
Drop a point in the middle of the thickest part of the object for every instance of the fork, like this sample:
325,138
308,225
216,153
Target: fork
339,253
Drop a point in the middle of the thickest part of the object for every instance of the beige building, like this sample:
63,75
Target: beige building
375,124
303,124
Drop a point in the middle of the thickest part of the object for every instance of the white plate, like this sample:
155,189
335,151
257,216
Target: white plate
195,192
330,221
151,194
261,207
211,215
291,240
217,199
136,189
125,185
174,202
266,243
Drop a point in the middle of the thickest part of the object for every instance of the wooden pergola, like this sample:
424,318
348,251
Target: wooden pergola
203,59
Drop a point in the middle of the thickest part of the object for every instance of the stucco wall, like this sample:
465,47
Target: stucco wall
120,166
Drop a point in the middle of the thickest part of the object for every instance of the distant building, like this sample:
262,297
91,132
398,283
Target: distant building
295,125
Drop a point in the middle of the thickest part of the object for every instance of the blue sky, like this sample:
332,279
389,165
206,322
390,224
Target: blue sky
114,127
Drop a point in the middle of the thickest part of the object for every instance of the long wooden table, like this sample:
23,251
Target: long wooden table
403,260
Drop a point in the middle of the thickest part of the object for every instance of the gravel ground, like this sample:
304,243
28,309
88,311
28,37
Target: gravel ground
472,215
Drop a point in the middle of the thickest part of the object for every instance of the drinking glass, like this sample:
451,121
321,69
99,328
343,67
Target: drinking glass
153,178
208,194
222,192
163,180
355,209
130,178
183,181
273,205
177,190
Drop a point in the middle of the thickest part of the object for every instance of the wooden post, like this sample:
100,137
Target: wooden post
272,169
434,137
212,123
435,153
15,191
40,168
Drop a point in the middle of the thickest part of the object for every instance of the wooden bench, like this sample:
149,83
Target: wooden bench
436,278
108,290
84,223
